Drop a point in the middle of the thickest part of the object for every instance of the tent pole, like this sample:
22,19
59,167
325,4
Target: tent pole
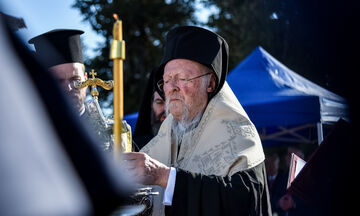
319,132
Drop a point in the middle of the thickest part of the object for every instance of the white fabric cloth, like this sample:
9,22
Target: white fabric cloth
224,142
82,111
169,190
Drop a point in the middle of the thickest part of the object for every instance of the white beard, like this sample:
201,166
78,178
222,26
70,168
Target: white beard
179,128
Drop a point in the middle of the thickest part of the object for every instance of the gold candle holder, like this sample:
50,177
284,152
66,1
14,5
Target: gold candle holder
117,54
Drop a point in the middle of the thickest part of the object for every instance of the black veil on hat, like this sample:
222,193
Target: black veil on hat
143,129
200,45
58,46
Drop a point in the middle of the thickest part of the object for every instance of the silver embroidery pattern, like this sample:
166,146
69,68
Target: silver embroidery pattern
195,135
218,158
241,127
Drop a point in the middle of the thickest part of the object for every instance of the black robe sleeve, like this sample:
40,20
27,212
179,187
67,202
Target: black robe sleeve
245,193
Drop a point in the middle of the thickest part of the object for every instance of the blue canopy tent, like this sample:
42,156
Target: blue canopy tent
280,102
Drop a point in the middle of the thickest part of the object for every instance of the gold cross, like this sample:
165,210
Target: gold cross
93,73
93,82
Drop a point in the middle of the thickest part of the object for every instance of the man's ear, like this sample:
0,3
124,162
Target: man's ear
85,75
212,84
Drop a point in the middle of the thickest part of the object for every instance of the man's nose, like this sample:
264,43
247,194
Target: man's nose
172,85
171,90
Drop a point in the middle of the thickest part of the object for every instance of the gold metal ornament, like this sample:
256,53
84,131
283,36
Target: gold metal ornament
93,83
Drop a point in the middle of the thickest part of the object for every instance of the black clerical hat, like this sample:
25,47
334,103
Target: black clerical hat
200,45
58,46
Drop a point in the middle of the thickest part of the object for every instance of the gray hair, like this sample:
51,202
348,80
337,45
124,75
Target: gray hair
205,81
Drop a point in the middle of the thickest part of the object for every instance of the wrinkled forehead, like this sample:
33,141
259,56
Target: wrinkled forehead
68,70
183,67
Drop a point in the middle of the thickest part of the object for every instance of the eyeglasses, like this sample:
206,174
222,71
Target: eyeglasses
76,84
177,81
72,84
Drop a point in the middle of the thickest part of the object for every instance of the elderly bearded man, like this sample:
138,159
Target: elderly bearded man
207,158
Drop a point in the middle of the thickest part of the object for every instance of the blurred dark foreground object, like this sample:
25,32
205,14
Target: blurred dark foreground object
14,23
49,163
326,185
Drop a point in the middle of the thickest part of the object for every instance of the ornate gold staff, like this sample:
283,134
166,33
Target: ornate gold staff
117,54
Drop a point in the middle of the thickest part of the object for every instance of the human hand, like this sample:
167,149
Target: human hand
286,202
145,169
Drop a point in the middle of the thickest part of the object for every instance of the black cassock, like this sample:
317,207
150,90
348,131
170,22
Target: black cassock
245,193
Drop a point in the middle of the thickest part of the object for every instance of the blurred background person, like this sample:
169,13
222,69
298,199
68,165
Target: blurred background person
276,182
284,201
151,115
277,171
157,112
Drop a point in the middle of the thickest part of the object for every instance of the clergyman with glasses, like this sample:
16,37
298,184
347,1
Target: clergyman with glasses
207,158
60,51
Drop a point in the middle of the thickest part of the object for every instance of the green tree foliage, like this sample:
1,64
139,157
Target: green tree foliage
145,24
295,32
243,24
300,34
